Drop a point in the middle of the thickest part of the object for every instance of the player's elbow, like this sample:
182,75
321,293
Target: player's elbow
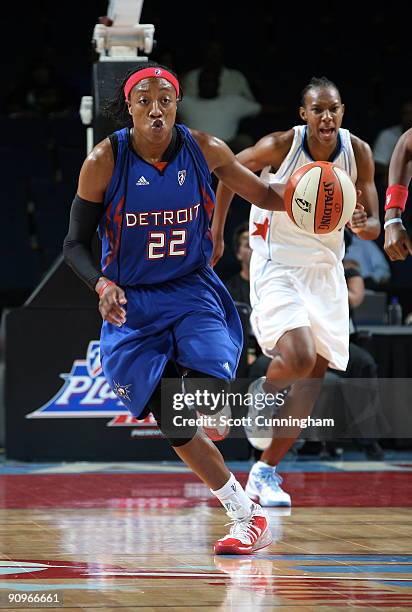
372,229
69,249
67,246
69,243
375,229
356,299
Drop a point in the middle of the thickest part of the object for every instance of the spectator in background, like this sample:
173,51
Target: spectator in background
387,139
166,57
238,284
239,288
361,363
372,263
362,406
218,114
231,82
40,94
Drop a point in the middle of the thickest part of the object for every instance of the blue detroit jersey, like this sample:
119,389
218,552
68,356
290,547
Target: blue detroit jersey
156,223
191,321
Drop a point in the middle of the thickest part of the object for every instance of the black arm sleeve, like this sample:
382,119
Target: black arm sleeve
77,250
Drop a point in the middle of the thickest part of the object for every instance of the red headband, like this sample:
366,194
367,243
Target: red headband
157,73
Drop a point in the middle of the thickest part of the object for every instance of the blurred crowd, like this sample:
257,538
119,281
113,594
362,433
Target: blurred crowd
242,81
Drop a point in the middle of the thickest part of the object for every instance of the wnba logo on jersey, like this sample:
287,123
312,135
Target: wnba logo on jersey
181,176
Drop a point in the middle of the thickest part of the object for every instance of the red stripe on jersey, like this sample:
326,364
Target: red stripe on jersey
209,204
114,240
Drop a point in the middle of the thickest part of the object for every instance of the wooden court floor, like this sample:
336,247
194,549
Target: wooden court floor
143,541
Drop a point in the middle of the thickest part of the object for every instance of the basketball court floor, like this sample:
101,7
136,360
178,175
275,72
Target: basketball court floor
139,536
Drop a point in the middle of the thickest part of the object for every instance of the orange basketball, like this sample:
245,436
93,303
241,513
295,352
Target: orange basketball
320,197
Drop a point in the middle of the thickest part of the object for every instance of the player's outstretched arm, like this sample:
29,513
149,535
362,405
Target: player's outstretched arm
250,187
365,220
237,178
268,151
397,242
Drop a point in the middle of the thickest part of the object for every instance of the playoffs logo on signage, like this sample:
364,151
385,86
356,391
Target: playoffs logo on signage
86,394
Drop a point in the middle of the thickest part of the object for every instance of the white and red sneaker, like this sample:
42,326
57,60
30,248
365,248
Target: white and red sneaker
247,535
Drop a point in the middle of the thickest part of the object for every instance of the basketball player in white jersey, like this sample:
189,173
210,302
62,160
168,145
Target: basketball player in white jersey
298,290
398,245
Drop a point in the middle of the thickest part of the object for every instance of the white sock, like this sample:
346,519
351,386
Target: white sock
262,464
233,497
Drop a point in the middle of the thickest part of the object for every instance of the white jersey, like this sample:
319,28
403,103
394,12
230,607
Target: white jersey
274,236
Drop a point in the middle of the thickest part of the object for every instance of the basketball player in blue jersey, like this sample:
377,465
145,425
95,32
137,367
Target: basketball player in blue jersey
148,190
298,291
398,245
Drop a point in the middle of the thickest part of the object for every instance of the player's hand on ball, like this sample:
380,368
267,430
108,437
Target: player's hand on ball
397,242
359,218
110,305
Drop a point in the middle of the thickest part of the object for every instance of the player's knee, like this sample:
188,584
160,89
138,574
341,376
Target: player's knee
176,442
210,392
176,413
178,427
302,362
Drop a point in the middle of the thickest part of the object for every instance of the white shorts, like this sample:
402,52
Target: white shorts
287,297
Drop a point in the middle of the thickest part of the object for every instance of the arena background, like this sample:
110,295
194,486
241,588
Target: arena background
93,514
278,49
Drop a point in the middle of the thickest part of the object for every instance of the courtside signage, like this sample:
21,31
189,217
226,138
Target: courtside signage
85,393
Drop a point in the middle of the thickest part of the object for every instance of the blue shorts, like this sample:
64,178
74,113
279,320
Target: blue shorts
191,321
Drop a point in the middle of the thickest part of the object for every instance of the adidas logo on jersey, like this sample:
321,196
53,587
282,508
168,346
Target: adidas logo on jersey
142,181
